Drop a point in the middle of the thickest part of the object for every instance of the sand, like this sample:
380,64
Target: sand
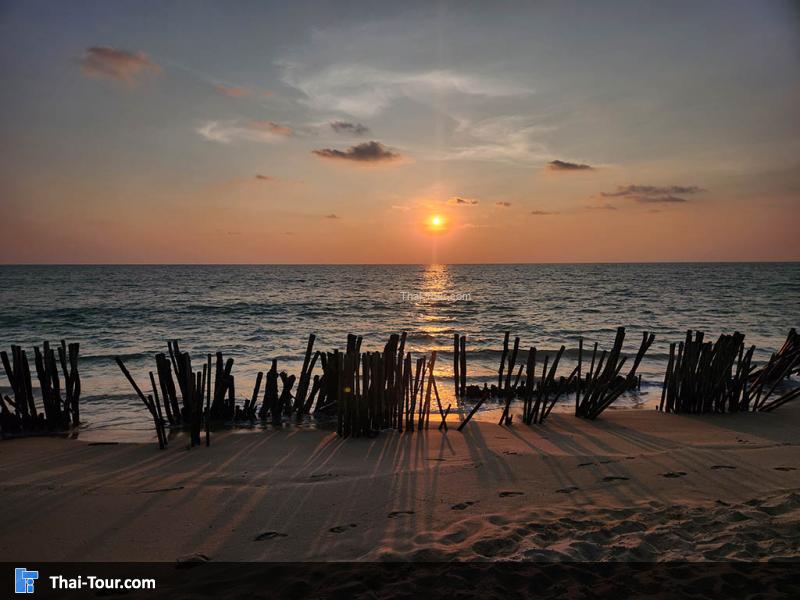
634,485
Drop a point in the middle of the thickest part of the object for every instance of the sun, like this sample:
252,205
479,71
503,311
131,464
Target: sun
436,223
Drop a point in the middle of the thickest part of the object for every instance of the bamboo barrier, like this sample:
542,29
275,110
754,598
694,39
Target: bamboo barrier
60,412
540,396
707,377
370,391
719,377
604,385
784,363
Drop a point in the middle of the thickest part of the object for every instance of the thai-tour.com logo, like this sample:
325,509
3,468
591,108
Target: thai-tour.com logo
25,582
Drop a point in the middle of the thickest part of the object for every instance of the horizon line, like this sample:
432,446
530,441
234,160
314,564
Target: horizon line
390,264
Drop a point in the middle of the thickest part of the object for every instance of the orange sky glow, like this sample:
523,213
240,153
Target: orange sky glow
336,138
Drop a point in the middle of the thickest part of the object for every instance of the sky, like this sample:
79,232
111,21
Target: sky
453,132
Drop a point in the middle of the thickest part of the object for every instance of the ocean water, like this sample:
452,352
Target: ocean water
255,313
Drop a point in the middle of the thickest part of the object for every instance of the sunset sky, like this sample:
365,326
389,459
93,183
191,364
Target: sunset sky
254,132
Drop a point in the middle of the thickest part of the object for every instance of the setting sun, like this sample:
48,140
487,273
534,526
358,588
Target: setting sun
436,223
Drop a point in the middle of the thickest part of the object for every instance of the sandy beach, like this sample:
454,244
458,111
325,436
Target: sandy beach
635,485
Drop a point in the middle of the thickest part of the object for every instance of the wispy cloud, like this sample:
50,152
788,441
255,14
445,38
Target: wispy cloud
509,138
542,213
502,204
332,216
462,202
267,178
605,206
669,199
233,91
362,90
652,190
562,165
120,65
350,128
226,132
270,127
368,152
653,194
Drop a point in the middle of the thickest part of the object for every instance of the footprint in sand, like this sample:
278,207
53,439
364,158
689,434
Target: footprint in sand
322,475
510,452
567,490
463,505
717,467
673,474
399,513
269,535
342,528
586,464
509,494
615,478
785,468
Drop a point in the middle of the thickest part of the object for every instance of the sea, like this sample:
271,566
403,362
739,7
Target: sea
256,313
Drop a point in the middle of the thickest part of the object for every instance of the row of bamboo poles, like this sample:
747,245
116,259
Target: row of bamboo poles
382,390
59,410
601,386
604,384
718,377
368,391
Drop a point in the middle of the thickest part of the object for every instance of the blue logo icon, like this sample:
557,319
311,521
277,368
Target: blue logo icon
23,580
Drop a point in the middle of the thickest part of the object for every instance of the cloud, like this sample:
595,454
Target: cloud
462,202
669,199
232,91
502,204
368,152
513,139
332,216
602,207
347,127
653,194
542,213
561,165
270,127
358,89
265,178
226,132
121,65
652,190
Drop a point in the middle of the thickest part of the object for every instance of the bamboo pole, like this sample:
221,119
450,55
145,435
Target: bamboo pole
456,365
463,364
